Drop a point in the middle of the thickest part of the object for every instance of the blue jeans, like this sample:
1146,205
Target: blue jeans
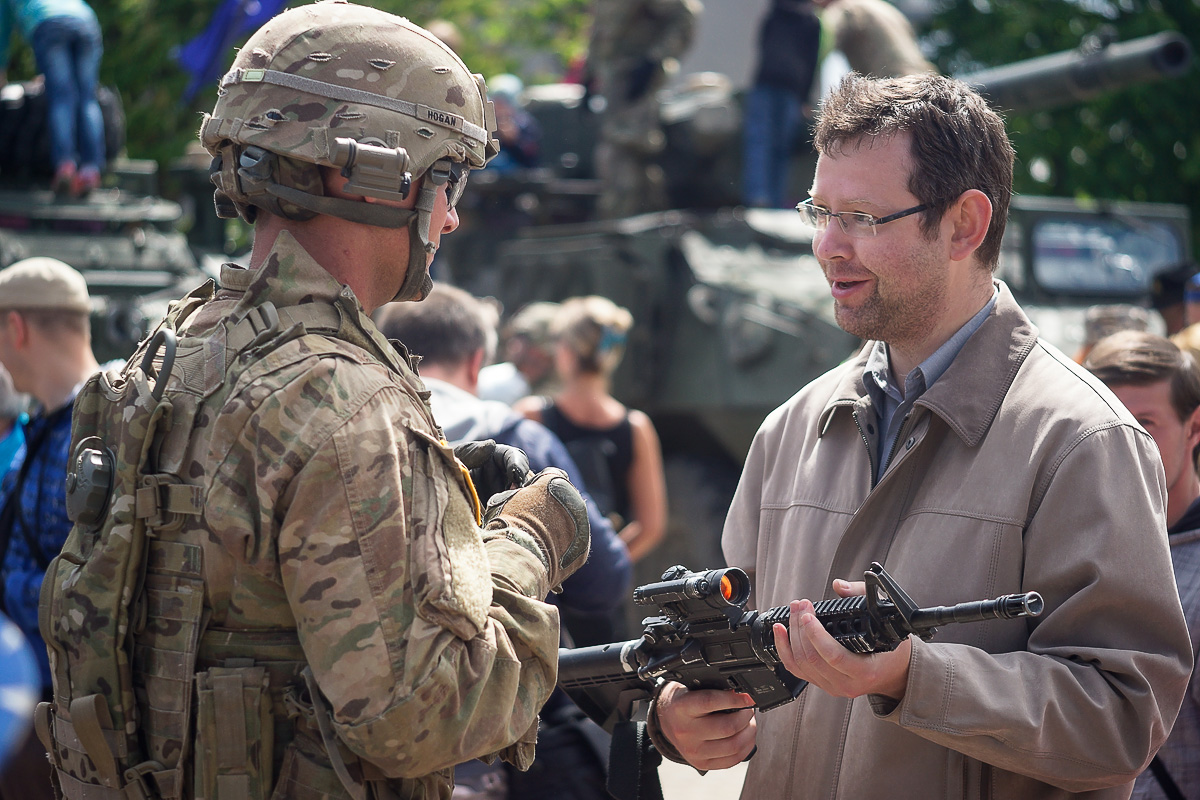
68,50
772,115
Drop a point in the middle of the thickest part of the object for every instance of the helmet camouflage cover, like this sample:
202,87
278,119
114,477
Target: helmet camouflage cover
347,86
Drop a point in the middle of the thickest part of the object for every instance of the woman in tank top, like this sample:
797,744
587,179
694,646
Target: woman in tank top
615,448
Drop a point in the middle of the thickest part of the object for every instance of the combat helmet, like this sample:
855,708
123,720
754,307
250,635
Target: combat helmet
341,85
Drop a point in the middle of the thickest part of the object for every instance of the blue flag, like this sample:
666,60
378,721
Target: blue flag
206,56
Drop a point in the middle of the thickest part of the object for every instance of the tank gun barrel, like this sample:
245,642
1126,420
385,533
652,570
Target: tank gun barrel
1077,75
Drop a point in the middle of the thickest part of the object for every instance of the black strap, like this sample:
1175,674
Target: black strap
8,515
1163,776
631,745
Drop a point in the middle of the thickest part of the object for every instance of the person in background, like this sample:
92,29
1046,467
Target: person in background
528,352
789,40
875,36
1168,296
447,32
1105,320
616,448
454,333
66,42
633,49
1160,385
12,422
519,133
45,344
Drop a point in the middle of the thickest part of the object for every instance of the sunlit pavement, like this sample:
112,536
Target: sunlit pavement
681,782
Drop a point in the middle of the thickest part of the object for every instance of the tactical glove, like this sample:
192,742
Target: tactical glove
552,512
493,467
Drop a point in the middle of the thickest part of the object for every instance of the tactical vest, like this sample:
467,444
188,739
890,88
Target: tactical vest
148,702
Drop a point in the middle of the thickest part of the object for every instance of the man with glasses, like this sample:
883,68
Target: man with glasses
360,632
972,459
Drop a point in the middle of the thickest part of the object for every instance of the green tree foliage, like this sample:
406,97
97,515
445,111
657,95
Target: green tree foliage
1139,143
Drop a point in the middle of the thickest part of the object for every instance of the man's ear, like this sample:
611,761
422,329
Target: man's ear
17,327
971,216
474,364
1191,429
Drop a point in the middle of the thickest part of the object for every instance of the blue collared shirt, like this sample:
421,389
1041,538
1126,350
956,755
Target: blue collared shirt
893,406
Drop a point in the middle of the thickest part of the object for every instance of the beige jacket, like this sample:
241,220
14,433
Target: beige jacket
1016,471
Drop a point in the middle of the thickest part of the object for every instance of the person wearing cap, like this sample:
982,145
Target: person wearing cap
45,344
350,581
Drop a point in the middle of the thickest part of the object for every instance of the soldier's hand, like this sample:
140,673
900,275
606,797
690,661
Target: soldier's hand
553,512
494,467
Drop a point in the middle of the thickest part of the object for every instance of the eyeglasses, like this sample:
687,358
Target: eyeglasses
854,223
454,175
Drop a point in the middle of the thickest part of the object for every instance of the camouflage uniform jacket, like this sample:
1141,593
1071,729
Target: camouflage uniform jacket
332,509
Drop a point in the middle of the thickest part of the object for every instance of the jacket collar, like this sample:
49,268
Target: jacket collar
969,394
288,276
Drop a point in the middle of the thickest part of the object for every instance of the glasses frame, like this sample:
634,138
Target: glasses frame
454,175
842,216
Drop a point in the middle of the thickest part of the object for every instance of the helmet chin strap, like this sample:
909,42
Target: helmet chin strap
417,284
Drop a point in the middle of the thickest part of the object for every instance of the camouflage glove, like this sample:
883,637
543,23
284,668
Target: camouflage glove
494,467
550,511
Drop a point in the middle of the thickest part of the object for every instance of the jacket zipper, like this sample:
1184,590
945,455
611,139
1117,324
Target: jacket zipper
867,445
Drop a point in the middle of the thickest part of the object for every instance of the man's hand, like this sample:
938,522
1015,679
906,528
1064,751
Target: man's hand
712,729
809,652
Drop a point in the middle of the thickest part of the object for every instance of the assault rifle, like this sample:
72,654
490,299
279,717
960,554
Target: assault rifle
706,639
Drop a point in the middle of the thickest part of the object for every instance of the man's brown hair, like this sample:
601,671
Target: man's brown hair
1136,358
958,142
446,328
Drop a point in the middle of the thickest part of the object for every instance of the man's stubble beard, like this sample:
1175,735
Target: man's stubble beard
908,311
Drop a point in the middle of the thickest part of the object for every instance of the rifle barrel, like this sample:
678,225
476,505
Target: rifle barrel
597,665
1010,606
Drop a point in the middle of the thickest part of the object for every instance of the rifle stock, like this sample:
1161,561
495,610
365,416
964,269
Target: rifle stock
704,638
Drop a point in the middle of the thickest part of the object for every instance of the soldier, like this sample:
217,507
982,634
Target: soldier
876,38
359,632
635,45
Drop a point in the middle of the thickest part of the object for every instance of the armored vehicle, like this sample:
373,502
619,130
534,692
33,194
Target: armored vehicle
123,238
732,312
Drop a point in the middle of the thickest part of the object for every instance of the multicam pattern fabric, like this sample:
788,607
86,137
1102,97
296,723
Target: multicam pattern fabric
330,508
337,533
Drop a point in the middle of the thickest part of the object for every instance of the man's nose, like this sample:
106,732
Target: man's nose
832,242
451,221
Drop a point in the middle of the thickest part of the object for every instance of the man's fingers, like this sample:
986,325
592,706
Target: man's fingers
727,752
849,588
712,729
